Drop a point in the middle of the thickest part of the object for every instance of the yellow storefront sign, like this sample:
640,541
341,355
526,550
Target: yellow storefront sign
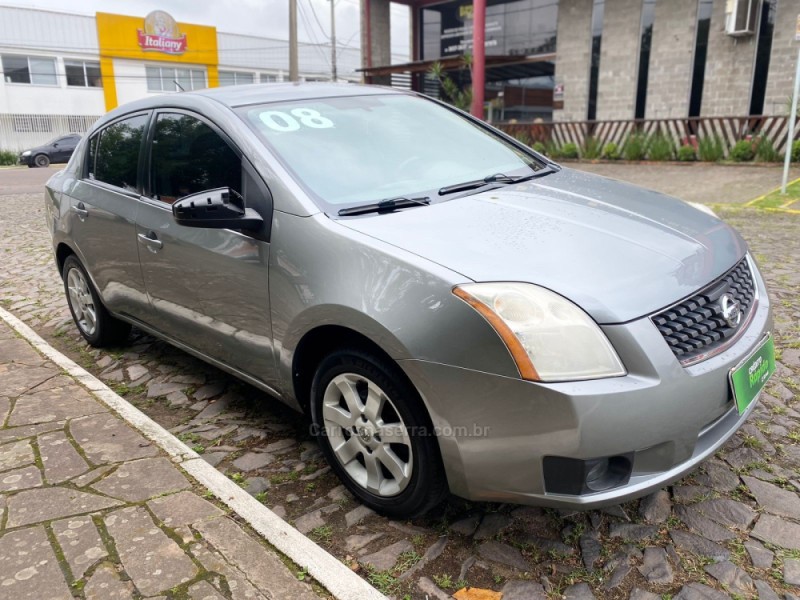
155,38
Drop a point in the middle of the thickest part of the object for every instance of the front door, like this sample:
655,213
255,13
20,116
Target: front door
208,287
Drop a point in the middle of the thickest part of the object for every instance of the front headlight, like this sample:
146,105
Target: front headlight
26,153
549,337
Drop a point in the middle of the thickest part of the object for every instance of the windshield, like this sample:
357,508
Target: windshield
357,149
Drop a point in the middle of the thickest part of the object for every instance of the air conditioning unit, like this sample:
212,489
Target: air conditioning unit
741,17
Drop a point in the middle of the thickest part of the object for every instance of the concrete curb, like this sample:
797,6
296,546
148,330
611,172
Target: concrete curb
336,577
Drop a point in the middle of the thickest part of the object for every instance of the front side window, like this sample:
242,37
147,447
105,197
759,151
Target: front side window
81,73
188,157
37,70
116,159
362,149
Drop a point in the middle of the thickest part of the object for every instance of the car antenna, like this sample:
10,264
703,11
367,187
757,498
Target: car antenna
175,81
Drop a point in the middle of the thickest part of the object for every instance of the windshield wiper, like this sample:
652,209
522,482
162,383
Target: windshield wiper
384,206
496,178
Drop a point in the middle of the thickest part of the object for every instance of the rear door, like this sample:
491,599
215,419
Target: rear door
102,216
63,149
208,287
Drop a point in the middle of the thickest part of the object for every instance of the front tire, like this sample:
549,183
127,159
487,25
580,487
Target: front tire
375,432
94,322
41,161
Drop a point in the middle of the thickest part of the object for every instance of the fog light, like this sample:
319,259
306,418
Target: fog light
574,476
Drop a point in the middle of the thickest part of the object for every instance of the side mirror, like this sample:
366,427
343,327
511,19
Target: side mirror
220,208
55,144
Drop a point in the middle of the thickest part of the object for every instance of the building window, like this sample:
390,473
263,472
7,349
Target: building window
235,78
174,79
763,53
81,73
268,78
648,17
37,70
598,11
700,53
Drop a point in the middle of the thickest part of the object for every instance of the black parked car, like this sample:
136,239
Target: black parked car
58,150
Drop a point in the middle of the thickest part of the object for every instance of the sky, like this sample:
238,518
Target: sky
269,18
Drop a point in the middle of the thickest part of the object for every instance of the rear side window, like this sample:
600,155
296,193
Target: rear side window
115,160
188,157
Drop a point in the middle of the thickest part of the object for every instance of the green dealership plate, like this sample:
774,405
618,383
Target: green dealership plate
751,375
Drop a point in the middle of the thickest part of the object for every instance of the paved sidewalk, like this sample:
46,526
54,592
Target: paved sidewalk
91,508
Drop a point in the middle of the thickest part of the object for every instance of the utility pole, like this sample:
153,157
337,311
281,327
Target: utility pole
333,40
293,70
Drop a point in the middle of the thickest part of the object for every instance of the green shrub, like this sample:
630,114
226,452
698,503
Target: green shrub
592,148
7,157
635,147
742,151
710,149
551,150
569,150
766,152
686,153
539,147
796,151
660,147
611,151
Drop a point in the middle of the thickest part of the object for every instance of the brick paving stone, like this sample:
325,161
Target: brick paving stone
154,562
47,504
357,515
503,554
142,479
61,461
759,555
202,590
773,499
791,571
105,439
18,433
262,568
19,380
105,584
81,543
385,558
28,567
91,476
656,568
20,479
523,590
253,461
239,586
777,531
15,455
731,576
183,508
53,405
698,545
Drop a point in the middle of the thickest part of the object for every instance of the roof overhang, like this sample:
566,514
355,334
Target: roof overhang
456,63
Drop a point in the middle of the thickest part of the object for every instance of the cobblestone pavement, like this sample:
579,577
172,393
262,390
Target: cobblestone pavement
90,508
730,529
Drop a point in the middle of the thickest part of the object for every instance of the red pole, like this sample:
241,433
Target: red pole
478,56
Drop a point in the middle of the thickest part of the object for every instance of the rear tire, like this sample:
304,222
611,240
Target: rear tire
41,160
375,432
94,322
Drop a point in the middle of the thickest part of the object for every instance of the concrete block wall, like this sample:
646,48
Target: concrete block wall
619,58
574,50
671,59
729,69
780,78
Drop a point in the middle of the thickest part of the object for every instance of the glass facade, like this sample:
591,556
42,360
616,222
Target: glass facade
598,12
763,52
648,17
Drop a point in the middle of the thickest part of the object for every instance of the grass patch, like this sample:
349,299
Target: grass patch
777,200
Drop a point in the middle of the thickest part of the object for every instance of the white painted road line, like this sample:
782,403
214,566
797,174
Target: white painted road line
336,577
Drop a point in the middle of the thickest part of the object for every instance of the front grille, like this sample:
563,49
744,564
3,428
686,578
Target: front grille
696,326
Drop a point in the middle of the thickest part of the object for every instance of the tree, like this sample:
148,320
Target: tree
452,93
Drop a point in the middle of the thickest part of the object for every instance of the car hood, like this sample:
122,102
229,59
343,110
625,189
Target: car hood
616,250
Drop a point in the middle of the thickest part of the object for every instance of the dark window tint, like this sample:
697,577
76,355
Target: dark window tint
763,52
648,17
189,157
118,153
700,52
16,70
598,10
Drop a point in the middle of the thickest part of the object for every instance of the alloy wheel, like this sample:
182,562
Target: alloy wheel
367,435
81,301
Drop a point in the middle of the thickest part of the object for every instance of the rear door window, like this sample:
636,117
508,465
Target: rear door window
116,158
188,157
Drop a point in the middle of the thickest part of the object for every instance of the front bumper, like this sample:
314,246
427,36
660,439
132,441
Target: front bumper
495,431
25,160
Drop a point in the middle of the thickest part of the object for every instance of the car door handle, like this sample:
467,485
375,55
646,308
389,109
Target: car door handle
80,210
151,241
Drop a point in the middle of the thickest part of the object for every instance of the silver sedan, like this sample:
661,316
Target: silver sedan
453,311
